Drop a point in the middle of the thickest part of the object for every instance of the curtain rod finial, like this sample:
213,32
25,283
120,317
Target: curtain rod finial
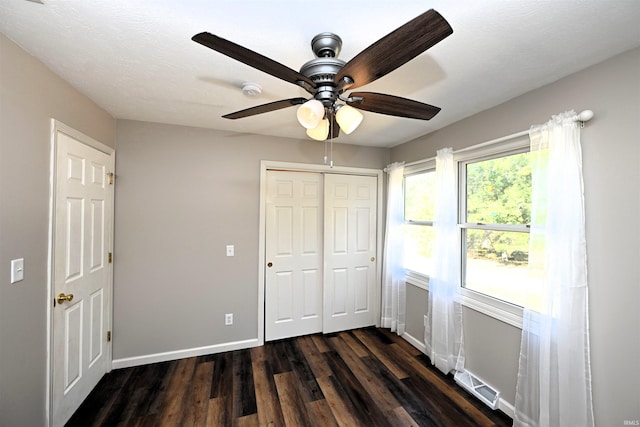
585,116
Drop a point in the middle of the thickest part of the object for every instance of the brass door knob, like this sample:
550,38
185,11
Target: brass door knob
62,298
373,259
269,264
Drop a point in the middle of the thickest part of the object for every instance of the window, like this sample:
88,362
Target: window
494,187
495,211
419,205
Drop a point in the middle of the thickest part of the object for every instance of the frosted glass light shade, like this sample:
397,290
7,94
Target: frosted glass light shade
320,132
348,118
310,113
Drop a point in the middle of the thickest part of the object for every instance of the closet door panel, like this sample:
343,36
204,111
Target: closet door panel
350,210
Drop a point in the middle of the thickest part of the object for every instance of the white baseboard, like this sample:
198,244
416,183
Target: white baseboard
507,408
417,343
181,354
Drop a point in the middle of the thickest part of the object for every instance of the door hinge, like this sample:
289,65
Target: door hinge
110,257
111,177
108,336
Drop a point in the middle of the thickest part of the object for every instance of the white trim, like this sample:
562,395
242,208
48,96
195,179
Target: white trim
420,166
417,343
57,126
500,310
128,362
307,167
417,279
507,408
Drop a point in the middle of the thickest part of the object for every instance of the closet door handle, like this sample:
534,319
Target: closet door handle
269,264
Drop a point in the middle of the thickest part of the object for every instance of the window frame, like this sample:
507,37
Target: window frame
417,278
501,310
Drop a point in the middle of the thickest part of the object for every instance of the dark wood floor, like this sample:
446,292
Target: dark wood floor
366,377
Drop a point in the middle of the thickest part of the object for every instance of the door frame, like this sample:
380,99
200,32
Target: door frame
56,127
306,167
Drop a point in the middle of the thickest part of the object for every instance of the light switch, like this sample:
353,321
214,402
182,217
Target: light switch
230,250
17,270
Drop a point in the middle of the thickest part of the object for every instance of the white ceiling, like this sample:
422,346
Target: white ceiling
135,58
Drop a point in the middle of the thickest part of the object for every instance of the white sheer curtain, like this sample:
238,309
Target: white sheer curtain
443,332
554,376
393,297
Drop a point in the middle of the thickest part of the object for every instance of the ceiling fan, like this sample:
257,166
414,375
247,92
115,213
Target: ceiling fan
326,77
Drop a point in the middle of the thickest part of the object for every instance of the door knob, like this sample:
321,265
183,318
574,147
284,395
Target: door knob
269,264
62,298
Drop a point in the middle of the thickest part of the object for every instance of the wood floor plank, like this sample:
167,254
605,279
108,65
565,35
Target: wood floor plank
355,345
154,400
404,419
361,403
366,377
339,407
420,409
320,342
320,414
315,359
291,401
174,407
258,354
103,397
267,401
216,416
247,421
379,393
244,396
300,366
222,374
202,391
381,352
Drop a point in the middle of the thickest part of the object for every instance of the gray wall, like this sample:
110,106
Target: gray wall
182,195
611,168
30,95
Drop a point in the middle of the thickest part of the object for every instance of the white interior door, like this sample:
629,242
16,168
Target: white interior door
81,272
350,207
293,276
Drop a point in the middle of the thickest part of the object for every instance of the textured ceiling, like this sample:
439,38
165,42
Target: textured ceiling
136,58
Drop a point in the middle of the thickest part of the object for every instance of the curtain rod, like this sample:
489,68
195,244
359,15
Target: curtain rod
584,116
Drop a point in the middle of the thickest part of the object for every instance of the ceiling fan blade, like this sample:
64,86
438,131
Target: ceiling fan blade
265,108
394,50
334,127
254,59
392,105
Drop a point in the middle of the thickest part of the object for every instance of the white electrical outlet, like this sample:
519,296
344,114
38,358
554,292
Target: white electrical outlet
230,250
228,319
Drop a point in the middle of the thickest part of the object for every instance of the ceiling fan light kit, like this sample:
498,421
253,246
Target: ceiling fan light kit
348,118
310,113
326,77
320,132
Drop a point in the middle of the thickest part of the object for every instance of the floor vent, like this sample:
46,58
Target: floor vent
478,388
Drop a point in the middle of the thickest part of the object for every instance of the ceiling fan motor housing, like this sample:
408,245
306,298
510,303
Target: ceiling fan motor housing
322,69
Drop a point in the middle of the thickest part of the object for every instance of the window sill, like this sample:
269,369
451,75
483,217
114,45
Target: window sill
499,310
492,307
417,279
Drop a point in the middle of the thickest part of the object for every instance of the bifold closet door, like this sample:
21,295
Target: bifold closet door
293,287
350,218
